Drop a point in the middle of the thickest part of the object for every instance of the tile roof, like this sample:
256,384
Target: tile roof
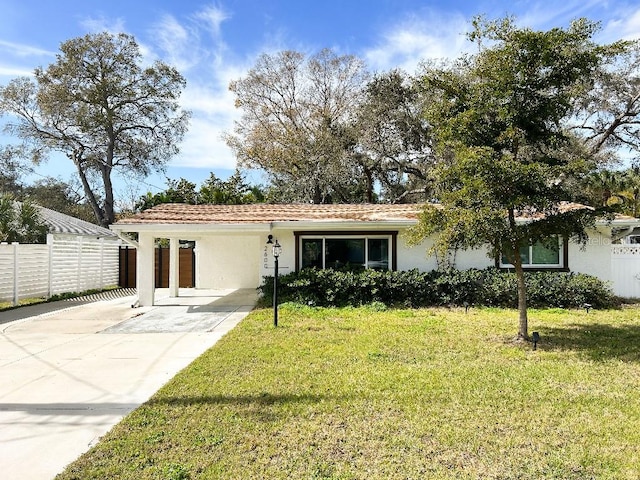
173,213
261,213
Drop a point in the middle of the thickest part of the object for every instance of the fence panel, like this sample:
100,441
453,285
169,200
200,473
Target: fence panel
625,270
66,264
33,271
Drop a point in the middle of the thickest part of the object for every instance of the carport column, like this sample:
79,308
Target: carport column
174,267
145,269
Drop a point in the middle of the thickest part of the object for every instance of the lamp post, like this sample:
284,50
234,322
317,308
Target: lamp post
277,250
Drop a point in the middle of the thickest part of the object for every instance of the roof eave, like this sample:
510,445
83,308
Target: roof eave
189,227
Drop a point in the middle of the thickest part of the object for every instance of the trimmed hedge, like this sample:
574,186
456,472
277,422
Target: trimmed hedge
412,288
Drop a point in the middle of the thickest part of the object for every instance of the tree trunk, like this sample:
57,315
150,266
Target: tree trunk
109,213
523,321
369,179
88,193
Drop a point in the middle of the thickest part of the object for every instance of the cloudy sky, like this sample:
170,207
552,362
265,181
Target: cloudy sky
212,43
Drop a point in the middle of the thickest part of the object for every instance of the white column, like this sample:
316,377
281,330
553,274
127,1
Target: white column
145,265
174,267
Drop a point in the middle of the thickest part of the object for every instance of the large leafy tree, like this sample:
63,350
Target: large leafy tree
505,154
296,123
100,106
393,139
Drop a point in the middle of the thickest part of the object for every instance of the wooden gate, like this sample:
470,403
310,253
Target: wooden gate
187,267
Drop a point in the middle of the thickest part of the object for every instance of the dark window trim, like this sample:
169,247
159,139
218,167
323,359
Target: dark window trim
564,267
349,233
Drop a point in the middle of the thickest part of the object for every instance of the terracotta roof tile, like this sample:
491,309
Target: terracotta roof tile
171,213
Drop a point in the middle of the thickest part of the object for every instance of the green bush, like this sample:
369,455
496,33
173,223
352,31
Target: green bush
412,288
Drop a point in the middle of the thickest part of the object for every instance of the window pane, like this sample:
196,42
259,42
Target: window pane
312,253
524,255
378,253
340,252
547,253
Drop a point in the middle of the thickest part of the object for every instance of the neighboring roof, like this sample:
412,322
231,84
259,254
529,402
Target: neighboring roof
174,213
59,223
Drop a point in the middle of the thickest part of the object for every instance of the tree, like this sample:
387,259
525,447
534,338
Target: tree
608,116
105,111
10,171
60,196
296,123
394,142
178,191
233,191
505,153
20,222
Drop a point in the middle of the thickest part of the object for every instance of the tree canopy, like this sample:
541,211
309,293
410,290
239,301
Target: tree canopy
233,191
505,150
100,106
296,122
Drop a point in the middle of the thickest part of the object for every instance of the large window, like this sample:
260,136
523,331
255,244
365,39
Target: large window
548,254
334,251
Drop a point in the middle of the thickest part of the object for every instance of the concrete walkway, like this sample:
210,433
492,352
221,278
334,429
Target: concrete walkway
67,376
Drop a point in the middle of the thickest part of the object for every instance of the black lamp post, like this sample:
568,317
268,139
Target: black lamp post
277,250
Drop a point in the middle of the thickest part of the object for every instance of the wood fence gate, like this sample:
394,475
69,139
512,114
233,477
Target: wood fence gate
187,267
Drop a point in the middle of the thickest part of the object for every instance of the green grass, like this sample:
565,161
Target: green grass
407,394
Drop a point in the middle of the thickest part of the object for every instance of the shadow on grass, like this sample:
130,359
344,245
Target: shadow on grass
596,341
257,407
264,399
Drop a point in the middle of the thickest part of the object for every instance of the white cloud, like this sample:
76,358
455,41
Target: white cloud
203,146
13,71
420,37
103,24
625,27
179,45
22,50
213,17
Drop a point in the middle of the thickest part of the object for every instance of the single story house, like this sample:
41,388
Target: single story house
232,249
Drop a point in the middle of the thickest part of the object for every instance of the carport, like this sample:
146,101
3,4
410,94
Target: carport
227,255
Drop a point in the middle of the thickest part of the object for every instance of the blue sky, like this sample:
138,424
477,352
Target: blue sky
212,43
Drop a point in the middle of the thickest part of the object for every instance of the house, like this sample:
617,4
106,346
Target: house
231,247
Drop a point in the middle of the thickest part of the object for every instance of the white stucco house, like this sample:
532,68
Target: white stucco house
232,251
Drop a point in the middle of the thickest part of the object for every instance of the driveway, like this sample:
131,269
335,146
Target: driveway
69,374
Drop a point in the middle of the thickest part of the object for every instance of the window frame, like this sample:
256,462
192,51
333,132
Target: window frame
391,235
562,266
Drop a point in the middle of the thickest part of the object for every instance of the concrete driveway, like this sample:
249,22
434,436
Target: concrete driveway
68,375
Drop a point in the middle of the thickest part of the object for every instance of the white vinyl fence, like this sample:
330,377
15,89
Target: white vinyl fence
65,264
625,270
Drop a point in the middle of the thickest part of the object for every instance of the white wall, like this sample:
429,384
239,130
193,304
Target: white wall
594,258
240,260
228,261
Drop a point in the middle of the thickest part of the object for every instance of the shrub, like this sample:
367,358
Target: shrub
412,288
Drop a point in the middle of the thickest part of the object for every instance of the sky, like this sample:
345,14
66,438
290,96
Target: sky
213,43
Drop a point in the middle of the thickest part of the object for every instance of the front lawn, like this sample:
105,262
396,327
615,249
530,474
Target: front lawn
357,393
